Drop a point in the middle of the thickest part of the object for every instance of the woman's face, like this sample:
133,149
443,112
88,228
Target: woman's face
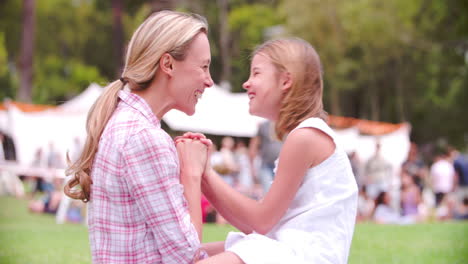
263,88
192,75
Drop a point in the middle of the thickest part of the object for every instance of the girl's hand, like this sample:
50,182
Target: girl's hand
204,140
192,156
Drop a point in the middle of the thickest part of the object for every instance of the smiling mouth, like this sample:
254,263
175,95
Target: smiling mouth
251,96
198,94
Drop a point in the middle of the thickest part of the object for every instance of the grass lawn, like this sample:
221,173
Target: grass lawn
28,238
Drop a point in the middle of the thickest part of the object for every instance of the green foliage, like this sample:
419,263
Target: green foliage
392,61
247,24
58,80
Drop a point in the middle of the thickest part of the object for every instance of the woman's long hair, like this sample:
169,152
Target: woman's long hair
304,98
163,32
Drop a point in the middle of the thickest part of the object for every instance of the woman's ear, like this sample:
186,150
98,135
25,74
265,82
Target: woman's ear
166,63
286,81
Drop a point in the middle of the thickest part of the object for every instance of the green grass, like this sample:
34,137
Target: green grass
28,238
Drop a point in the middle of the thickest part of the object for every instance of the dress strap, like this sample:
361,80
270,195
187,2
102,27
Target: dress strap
317,123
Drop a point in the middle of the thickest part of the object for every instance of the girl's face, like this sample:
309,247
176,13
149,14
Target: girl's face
192,75
264,88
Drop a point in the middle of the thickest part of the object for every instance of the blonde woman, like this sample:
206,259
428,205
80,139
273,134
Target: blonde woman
308,214
143,202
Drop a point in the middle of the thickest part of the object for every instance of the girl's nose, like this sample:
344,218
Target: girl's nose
246,85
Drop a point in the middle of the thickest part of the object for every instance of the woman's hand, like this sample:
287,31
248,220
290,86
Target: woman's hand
204,140
192,156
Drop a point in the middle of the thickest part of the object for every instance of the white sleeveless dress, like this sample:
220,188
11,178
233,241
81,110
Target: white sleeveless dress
318,225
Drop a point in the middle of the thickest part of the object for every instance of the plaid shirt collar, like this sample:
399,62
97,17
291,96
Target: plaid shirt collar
139,104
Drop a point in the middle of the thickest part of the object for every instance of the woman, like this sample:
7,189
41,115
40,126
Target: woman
129,172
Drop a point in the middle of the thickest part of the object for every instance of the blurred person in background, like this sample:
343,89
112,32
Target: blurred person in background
366,205
228,165
267,147
378,173
415,167
410,199
144,200
36,183
244,176
460,164
50,200
442,174
357,168
461,210
384,213
2,152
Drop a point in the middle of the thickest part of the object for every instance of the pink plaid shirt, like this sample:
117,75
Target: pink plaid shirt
137,211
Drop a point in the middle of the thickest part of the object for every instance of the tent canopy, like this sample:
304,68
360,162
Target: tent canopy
218,112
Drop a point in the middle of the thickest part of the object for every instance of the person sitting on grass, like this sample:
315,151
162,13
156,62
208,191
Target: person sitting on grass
50,201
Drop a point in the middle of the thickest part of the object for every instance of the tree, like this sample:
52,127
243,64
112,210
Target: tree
118,35
27,51
392,61
224,46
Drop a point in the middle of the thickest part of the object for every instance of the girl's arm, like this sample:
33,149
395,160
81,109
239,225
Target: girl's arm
304,148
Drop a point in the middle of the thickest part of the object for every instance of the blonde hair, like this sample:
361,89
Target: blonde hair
304,98
163,32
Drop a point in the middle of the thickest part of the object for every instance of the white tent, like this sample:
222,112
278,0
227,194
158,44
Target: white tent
82,102
4,126
60,126
218,112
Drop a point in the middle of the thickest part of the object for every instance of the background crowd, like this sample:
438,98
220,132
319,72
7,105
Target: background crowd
431,185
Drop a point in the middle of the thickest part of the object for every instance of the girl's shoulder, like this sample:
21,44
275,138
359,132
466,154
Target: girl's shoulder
317,123
308,140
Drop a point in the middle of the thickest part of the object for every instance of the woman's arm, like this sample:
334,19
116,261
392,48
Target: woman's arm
192,158
302,149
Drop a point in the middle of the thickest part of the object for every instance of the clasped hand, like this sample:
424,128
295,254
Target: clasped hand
193,151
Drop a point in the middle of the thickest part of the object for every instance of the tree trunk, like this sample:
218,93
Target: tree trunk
400,99
118,36
224,41
374,97
27,52
334,101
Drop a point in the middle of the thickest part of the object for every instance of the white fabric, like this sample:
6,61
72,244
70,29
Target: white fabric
442,174
319,224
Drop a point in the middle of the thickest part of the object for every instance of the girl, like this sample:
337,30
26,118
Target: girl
128,171
308,214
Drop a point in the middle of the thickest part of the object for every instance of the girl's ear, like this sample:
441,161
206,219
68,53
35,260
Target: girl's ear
166,63
286,81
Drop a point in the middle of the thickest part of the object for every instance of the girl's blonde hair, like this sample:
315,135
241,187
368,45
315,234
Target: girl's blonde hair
304,98
163,32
